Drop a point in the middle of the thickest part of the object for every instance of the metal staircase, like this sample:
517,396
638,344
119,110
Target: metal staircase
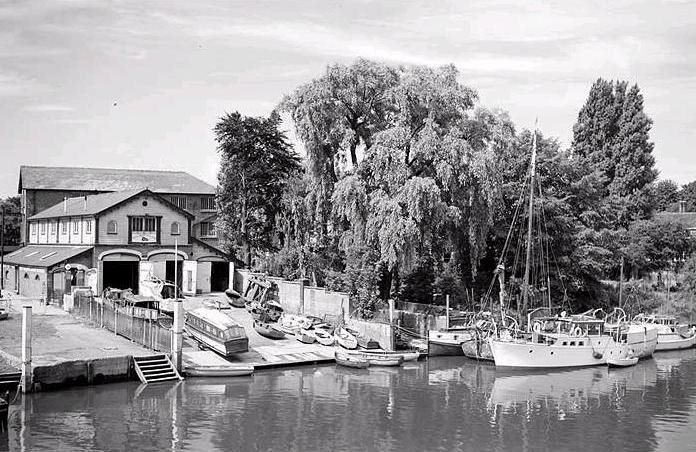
156,368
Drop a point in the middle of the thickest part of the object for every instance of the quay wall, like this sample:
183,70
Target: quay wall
83,372
381,332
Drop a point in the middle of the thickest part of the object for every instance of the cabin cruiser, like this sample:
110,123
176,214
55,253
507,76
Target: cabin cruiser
641,338
670,334
448,341
556,342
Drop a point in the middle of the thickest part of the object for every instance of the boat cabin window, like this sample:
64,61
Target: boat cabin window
581,343
565,342
572,343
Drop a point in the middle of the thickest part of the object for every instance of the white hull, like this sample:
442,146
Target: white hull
522,354
208,342
219,371
642,340
674,341
447,343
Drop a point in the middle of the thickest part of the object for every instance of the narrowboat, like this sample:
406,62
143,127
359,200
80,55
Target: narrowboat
215,330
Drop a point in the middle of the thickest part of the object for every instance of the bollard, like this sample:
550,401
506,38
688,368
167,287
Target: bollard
26,349
177,330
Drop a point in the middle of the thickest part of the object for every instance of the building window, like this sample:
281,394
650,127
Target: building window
143,229
208,229
208,203
54,227
176,230
88,227
64,227
42,228
112,227
179,201
76,226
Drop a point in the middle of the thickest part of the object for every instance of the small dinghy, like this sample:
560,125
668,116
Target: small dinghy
219,371
407,356
306,336
268,330
234,298
345,339
323,336
343,359
625,358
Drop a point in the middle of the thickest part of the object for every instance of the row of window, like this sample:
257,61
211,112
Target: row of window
64,227
138,224
207,202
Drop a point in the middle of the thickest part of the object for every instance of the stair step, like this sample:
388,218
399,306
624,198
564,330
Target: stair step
155,368
160,374
159,364
144,359
154,380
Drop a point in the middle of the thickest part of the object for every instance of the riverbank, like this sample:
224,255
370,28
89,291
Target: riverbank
68,351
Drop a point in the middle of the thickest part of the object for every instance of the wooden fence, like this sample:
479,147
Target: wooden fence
116,318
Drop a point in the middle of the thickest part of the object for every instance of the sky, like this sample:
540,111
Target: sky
141,84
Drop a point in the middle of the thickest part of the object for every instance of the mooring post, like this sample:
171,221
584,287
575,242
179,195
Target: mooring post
302,287
391,324
26,349
447,309
178,329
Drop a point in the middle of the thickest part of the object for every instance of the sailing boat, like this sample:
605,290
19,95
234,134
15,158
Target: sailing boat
557,341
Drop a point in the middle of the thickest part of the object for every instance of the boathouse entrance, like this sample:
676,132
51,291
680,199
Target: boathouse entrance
121,275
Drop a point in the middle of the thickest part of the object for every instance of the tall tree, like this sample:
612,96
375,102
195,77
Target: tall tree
12,206
256,163
612,134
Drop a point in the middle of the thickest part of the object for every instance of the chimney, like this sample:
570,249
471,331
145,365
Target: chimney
65,204
682,206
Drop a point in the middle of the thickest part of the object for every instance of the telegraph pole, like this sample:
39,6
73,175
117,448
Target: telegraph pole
2,250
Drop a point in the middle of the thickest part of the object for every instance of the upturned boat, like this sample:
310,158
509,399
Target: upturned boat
405,355
377,359
234,298
323,336
268,330
345,339
238,370
670,334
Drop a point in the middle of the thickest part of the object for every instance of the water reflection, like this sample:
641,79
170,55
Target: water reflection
441,404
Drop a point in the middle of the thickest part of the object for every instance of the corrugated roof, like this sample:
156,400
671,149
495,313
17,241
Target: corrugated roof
44,255
109,179
86,205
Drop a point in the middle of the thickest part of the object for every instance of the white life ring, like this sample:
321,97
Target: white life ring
537,327
577,331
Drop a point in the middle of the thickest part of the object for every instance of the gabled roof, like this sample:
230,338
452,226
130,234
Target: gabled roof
44,255
92,205
109,179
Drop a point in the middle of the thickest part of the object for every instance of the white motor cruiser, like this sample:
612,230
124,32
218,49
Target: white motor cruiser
670,334
566,341
640,338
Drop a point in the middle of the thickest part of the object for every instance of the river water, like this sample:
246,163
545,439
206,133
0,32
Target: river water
440,404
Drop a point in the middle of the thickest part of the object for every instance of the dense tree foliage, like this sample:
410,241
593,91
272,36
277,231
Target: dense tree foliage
665,196
688,194
612,134
12,207
256,164
411,189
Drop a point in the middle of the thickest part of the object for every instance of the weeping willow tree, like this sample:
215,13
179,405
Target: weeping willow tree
403,168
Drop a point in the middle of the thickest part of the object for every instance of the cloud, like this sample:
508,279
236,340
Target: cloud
48,108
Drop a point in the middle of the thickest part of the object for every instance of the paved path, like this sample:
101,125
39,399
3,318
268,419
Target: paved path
59,337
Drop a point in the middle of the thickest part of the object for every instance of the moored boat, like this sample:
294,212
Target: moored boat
670,334
215,330
237,370
343,359
406,355
378,359
448,342
641,339
305,336
268,330
576,342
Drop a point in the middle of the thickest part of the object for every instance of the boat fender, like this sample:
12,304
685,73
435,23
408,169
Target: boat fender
537,327
577,331
597,355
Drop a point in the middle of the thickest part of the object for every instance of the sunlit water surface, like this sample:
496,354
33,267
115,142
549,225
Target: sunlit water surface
440,404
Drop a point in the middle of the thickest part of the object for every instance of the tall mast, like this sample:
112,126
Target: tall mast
530,224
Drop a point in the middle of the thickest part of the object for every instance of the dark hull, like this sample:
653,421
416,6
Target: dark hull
444,349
